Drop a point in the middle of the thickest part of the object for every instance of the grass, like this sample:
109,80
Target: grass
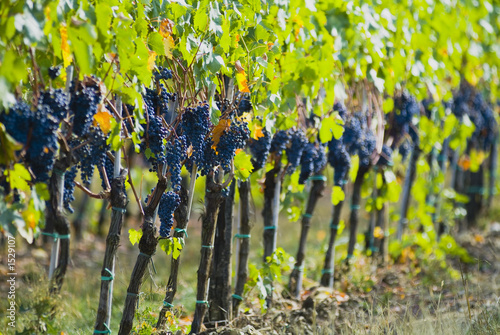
377,312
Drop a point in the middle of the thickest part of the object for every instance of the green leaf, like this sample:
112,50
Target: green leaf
330,127
449,125
134,236
388,105
9,146
338,195
243,166
167,245
18,177
201,19
155,43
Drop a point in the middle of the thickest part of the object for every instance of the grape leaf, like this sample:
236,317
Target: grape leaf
338,195
243,166
134,235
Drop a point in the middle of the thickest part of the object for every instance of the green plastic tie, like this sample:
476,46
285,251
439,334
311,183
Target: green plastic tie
181,230
269,227
153,265
123,210
107,331
373,249
59,172
143,254
334,226
132,294
64,237
299,268
237,297
324,271
349,256
307,215
355,207
167,304
202,302
241,236
323,178
54,235
108,278
207,246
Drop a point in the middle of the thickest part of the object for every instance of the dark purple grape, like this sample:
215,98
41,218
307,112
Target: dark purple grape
294,149
69,188
260,149
168,204
54,72
176,154
279,142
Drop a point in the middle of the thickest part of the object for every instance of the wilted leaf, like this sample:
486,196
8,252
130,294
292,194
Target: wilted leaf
103,119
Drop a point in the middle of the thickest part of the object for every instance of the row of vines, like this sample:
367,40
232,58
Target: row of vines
399,98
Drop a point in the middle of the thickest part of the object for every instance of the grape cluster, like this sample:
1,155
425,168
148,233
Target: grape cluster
54,72
162,73
279,141
467,101
168,204
176,154
233,138
385,156
57,101
294,149
83,104
307,162
109,167
406,108
313,160
69,188
154,135
37,131
366,147
404,148
18,121
338,155
260,149
195,126
245,105
90,154
341,109
352,134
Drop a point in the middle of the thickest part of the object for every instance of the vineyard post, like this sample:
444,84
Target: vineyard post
243,243
318,186
328,271
54,254
219,296
409,178
438,219
118,200
493,171
181,218
213,198
355,205
370,241
147,248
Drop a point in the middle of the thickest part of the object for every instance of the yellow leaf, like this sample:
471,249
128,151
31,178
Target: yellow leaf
378,233
166,28
168,44
257,132
66,52
103,119
151,60
479,238
219,130
242,82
